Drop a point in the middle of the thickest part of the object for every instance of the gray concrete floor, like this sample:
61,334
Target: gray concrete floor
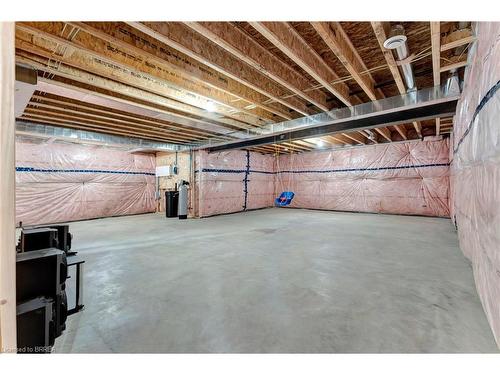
275,280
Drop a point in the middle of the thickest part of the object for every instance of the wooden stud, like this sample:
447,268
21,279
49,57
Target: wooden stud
438,125
7,191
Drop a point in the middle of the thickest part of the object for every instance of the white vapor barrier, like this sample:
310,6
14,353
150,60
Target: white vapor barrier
475,168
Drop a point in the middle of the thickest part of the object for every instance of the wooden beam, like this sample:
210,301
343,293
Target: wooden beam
418,128
438,125
78,124
241,45
146,51
98,82
381,31
7,191
455,65
356,137
36,107
340,138
287,40
337,40
456,39
436,58
436,54
402,131
384,132
187,41
117,115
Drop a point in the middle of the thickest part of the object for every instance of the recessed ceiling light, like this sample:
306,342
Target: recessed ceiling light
210,107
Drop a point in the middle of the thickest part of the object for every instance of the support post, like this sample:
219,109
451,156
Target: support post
7,191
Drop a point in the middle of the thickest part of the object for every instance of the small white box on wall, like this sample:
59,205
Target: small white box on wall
163,171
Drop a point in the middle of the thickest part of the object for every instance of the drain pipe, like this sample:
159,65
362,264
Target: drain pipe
398,41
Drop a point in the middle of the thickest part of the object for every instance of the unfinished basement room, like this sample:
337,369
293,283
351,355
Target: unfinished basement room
250,187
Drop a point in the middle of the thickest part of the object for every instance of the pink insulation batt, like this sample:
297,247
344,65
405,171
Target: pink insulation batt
475,168
221,181
66,182
397,178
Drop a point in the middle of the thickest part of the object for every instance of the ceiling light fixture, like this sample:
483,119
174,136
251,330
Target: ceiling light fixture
210,107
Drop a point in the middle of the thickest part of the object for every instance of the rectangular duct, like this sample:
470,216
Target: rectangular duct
418,105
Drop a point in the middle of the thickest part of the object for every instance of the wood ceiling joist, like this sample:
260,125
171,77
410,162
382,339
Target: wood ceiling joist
340,138
381,30
297,146
287,40
337,40
74,104
98,82
173,108
99,59
356,137
438,125
237,42
456,39
436,59
402,131
454,65
125,124
90,127
85,119
189,42
384,132
147,51
339,43
309,145
436,54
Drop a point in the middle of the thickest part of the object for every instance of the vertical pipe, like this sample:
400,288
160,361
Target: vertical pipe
7,191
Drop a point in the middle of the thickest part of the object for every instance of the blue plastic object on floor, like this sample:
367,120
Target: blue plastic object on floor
285,198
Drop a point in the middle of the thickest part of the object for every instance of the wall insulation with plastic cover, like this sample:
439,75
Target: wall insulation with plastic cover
58,182
400,178
475,169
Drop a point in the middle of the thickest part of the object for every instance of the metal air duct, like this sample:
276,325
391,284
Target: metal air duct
398,41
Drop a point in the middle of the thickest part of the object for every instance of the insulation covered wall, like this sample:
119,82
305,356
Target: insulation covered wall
66,182
233,181
475,168
396,178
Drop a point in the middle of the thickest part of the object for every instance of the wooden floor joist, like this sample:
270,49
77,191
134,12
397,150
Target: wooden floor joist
184,66
159,82
199,81
186,40
248,50
284,37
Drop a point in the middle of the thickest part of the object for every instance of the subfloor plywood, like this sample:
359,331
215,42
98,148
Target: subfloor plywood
275,280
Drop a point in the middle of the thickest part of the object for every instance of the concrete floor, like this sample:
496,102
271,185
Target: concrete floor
275,280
